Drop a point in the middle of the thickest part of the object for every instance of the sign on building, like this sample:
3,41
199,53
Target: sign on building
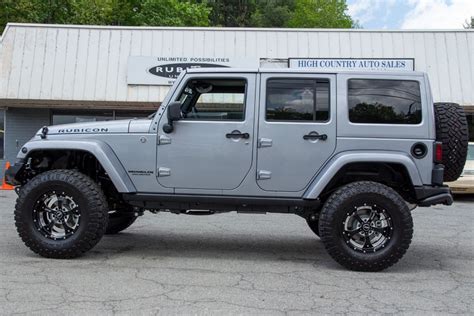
145,70
365,64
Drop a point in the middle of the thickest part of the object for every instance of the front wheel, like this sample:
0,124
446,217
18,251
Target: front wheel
366,226
61,214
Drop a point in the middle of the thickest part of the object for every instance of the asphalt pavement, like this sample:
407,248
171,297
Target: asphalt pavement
239,264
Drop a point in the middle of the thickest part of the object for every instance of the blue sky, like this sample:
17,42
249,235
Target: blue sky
411,14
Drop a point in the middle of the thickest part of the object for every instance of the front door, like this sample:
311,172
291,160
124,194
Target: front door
297,129
210,148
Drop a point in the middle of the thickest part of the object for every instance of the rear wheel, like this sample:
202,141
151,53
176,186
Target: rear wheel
366,226
61,214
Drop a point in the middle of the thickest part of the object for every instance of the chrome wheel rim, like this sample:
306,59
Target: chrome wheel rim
367,228
56,215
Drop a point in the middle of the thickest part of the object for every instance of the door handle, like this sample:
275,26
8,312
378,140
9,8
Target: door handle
315,135
237,134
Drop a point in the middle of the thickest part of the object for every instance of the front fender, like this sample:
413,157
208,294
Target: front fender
101,151
345,158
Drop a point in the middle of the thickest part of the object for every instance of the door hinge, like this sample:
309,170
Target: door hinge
264,174
164,172
264,142
164,140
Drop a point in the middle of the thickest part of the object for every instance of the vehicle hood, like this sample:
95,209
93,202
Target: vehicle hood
101,127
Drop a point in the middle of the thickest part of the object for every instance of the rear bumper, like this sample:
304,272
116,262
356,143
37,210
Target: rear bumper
12,173
432,195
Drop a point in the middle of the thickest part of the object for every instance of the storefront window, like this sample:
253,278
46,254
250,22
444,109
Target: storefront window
470,123
123,115
67,117
2,132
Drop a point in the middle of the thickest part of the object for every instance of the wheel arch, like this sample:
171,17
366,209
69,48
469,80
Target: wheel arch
101,151
337,167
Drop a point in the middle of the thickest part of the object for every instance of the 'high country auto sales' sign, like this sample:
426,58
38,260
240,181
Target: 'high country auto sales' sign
365,64
144,70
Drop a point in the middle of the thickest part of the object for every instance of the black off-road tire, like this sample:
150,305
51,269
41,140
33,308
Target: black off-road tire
91,203
343,201
452,131
118,221
313,225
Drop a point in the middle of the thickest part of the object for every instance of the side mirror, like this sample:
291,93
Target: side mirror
174,114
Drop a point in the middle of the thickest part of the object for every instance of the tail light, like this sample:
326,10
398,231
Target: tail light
438,152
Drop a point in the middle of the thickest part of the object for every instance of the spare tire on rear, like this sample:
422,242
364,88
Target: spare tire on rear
452,132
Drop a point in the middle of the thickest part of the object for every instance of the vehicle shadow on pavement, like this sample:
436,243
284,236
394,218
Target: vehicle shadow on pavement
155,245
309,250
263,250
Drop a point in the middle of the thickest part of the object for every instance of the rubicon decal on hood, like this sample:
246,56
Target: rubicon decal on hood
173,70
83,130
93,127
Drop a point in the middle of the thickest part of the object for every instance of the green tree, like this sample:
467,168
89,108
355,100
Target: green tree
230,13
173,13
321,14
98,12
35,11
104,12
7,13
240,13
273,13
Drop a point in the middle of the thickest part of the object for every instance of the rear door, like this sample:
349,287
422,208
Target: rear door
297,129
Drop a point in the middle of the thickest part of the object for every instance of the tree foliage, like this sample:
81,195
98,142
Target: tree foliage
273,13
321,13
173,13
231,12
225,13
99,12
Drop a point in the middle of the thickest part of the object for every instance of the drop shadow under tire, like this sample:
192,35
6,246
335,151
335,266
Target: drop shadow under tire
119,222
313,225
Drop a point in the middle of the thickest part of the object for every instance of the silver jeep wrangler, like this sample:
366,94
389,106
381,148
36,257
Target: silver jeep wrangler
352,153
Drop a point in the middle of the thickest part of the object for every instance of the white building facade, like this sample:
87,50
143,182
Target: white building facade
52,74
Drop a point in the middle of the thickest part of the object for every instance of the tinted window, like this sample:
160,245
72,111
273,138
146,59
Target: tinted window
214,99
297,100
384,101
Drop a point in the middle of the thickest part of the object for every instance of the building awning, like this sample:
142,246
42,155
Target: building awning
79,105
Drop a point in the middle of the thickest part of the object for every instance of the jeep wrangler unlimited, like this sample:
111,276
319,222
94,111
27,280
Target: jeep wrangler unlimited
352,153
